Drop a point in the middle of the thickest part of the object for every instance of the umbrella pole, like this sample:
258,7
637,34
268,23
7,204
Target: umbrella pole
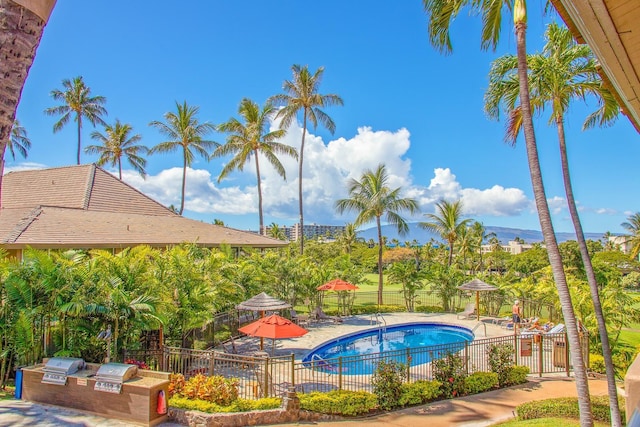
478,304
261,338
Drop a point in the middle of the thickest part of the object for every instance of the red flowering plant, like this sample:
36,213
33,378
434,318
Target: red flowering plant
139,363
450,371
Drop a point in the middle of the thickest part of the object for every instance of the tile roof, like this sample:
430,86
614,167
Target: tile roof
86,207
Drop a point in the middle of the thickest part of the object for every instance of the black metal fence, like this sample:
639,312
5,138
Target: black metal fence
261,375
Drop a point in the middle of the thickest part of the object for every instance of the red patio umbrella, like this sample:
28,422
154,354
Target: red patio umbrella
274,327
338,285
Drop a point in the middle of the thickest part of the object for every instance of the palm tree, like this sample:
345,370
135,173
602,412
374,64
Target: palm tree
21,27
252,138
349,237
632,225
184,131
372,198
275,231
563,72
18,141
447,222
441,14
301,94
117,143
76,99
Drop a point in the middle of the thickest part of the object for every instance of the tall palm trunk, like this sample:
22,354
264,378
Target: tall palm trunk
120,168
380,277
591,279
450,252
304,133
21,27
262,231
79,119
582,385
184,182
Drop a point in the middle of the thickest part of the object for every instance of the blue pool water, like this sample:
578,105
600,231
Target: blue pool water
359,352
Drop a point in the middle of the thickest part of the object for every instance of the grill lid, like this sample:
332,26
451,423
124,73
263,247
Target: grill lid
116,372
111,376
57,368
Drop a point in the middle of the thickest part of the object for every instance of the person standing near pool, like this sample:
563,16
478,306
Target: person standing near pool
516,314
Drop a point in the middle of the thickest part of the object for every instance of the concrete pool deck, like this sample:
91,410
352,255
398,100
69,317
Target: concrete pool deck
323,331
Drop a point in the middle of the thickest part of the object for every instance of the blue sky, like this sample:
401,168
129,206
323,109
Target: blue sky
405,105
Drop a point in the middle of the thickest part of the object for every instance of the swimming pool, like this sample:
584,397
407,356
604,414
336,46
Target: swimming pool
360,352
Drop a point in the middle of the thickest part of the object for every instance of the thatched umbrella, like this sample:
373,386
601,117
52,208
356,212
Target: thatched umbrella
261,303
477,285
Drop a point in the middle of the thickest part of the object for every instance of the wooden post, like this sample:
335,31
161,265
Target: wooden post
340,373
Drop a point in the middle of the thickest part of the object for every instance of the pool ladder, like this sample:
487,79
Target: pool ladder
379,319
478,325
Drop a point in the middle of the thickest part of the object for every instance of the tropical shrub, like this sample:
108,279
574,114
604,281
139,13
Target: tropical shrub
501,361
419,392
338,402
240,405
219,390
387,383
517,375
596,364
479,382
567,407
429,309
450,372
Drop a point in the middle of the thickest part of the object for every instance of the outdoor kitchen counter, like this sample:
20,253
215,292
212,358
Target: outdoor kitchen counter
137,402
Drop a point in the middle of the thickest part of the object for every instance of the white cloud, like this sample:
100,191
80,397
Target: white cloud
327,169
24,166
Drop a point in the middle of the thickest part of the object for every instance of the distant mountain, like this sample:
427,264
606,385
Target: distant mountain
504,234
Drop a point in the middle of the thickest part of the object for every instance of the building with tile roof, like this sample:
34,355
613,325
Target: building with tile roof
85,207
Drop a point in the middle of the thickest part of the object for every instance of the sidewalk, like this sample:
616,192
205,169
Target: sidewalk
473,411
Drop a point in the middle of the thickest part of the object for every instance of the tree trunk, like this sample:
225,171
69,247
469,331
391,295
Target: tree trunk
21,28
380,278
262,231
184,181
582,385
79,119
304,133
591,279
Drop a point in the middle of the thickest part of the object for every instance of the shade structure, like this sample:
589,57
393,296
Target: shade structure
263,302
477,285
274,327
338,285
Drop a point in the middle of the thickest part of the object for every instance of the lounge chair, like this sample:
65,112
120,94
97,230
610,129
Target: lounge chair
468,312
299,319
319,314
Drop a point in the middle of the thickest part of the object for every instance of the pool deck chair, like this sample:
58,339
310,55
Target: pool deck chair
468,312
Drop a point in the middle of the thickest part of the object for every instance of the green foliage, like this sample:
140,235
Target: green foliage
567,407
517,375
240,405
596,364
479,382
387,383
374,308
429,309
338,402
216,389
501,361
450,372
419,392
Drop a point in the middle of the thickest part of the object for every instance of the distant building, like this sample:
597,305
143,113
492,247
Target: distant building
313,231
513,247
622,243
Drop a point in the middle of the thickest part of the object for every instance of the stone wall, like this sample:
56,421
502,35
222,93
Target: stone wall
289,412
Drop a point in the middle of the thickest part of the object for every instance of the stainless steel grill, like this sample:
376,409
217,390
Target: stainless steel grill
111,376
57,369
